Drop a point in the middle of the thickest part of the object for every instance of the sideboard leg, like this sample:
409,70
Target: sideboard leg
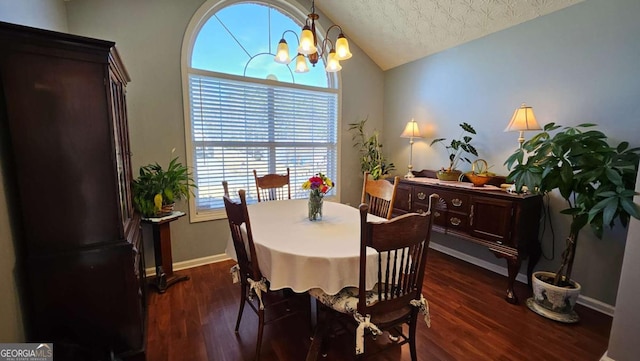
513,265
534,256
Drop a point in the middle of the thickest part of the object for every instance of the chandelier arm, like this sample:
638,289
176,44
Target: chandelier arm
292,32
282,40
331,27
323,49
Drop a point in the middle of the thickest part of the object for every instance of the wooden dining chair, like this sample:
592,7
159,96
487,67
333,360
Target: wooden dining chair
271,187
401,245
254,288
380,195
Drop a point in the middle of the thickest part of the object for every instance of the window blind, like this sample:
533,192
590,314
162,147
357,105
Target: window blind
240,126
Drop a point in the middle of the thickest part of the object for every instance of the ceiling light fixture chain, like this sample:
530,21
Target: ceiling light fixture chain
308,46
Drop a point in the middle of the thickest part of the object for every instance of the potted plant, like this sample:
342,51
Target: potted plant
456,151
595,179
156,190
372,159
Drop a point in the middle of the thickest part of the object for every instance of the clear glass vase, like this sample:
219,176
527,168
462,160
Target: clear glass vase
315,206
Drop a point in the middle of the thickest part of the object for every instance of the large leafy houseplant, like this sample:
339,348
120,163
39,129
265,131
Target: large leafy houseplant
157,187
372,159
458,149
595,179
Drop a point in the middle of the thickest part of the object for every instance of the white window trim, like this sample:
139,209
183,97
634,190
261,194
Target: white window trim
199,18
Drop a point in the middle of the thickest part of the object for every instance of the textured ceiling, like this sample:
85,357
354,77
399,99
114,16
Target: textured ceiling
395,32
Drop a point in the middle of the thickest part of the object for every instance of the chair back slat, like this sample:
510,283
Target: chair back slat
401,245
271,187
380,195
238,216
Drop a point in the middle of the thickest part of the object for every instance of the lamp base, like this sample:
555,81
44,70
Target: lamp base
409,175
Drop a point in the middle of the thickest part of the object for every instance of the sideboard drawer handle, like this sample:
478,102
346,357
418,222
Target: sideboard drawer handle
456,202
436,214
420,211
455,221
422,196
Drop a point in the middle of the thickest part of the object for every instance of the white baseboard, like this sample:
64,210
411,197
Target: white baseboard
583,300
599,306
521,277
192,263
606,358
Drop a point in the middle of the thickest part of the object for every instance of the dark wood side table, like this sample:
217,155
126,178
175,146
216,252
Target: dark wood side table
162,251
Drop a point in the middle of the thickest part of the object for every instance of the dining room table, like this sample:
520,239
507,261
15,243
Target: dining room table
294,252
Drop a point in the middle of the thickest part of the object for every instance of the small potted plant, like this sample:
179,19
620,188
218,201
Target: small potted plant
596,180
156,190
456,151
372,159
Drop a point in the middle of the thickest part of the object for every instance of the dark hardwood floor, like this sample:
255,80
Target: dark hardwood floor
470,320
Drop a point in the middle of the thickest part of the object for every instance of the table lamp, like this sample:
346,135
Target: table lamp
411,131
523,119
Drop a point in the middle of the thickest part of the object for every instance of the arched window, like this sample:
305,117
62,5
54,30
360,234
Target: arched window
244,111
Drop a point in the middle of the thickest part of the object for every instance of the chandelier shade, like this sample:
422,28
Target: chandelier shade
309,46
301,64
342,48
307,42
333,64
282,54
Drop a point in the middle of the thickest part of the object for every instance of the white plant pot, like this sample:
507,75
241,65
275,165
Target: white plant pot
554,302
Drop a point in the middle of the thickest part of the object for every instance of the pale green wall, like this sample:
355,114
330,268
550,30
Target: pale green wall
577,65
148,35
46,14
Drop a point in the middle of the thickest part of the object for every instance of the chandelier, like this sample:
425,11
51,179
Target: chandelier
308,47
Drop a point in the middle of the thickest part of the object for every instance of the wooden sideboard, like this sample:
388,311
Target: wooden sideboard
507,224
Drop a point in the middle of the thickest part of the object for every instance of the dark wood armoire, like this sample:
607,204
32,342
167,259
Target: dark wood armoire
67,162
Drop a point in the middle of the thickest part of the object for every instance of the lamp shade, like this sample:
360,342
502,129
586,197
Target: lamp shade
523,119
411,130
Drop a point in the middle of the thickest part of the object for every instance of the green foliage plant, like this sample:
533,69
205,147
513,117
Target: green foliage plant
156,187
596,180
458,148
372,159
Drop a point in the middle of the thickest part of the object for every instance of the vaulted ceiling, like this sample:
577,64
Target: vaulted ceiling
395,32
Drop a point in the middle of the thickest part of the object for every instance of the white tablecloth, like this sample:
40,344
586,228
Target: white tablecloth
296,253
